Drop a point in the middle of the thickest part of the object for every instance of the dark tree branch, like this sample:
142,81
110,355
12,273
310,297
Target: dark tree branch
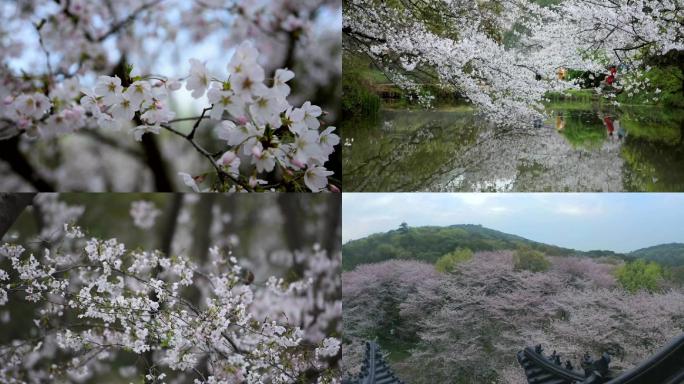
191,135
116,27
219,172
9,152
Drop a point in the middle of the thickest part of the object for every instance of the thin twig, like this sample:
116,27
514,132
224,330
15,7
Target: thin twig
191,135
221,173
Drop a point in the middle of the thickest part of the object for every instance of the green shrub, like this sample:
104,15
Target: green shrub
447,262
357,97
668,80
640,275
528,259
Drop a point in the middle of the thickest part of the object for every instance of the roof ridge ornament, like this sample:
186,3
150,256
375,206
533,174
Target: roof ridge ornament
666,366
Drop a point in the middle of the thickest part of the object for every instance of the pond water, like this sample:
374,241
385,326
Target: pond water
579,148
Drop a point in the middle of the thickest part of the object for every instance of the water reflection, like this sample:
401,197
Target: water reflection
574,150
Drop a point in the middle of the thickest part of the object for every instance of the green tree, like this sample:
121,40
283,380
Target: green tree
528,259
676,275
640,275
403,227
447,262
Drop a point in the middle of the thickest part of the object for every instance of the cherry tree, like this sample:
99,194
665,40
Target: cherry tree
98,72
469,323
503,55
159,315
631,35
456,44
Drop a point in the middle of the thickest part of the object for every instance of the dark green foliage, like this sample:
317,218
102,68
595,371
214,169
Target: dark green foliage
357,97
666,254
640,275
587,79
676,275
669,80
430,243
528,259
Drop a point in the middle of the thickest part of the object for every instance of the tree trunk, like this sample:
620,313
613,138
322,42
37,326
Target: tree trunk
331,240
292,209
11,206
155,162
201,234
167,231
153,156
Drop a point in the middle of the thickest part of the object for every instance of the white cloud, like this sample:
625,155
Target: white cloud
578,209
497,209
476,199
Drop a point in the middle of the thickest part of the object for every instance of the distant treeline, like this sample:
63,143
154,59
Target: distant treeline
429,243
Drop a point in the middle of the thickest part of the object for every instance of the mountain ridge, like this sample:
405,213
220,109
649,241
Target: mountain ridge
670,254
428,243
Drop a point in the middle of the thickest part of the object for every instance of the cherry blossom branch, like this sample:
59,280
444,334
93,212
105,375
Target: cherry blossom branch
121,24
287,147
220,172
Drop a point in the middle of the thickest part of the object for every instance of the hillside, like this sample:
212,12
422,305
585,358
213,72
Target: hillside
430,242
671,254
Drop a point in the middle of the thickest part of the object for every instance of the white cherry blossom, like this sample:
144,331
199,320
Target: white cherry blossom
158,113
109,89
311,114
140,130
198,82
32,105
231,162
225,100
123,108
138,92
316,178
282,76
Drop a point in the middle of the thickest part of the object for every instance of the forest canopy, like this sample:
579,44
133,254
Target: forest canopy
430,243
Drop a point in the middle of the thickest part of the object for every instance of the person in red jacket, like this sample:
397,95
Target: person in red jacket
608,122
611,78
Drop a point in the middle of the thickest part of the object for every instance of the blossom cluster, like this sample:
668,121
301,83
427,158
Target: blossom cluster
144,213
261,125
136,301
479,315
256,122
68,70
473,62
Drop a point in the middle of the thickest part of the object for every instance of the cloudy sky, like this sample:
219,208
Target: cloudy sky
616,221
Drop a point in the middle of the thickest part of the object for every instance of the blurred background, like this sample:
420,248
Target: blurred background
262,232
